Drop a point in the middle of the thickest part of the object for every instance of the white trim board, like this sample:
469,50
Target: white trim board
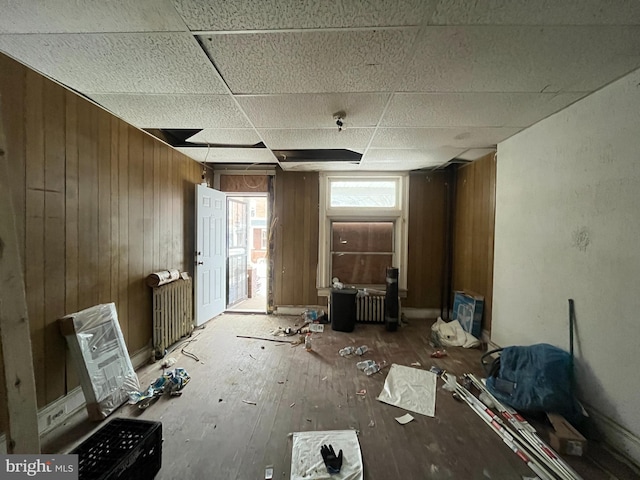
59,411
624,443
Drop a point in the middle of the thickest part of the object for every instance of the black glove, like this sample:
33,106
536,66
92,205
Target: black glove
333,463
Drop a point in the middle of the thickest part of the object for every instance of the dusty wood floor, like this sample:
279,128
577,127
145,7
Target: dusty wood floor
210,433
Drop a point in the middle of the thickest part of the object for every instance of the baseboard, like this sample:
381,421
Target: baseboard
59,411
486,339
296,310
619,438
417,313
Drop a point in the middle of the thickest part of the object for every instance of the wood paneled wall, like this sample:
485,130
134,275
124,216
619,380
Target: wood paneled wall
100,205
295,259
474,222
426,248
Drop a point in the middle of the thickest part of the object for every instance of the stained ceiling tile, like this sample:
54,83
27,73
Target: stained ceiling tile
72,16
229,155
440,137
233,15
342,61
539,12
520,59
226,136
473,109
355,139
174,111
118,63
313,110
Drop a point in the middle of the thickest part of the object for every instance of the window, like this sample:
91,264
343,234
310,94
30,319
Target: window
362,228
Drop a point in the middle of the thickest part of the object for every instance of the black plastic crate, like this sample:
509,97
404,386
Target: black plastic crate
124,449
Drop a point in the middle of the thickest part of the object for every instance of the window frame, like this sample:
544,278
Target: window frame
399,215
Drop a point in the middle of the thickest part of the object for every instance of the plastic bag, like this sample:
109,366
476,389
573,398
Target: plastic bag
536,378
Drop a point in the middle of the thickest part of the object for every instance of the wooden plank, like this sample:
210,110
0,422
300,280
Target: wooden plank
72,206
88,201
104,206
148,173
137,333
157,213
115,211
34,233
20,389
165,210
123,227
54,234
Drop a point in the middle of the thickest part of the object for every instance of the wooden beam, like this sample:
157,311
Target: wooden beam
20,402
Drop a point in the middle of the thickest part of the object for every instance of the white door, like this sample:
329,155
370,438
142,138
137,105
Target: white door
210,271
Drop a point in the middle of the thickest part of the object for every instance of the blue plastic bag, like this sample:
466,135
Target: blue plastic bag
536,378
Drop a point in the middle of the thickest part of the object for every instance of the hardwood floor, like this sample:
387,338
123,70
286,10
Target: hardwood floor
210,432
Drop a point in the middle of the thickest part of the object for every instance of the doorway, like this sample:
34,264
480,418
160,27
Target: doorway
247,244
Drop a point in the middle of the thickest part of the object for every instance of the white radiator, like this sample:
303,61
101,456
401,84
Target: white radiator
172,314
370,309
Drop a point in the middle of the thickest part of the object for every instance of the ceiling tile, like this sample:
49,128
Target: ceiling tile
118,63
475,153
226,136
409,159
520,59
539,12
229,155
343,61
473,109
355,139
440,137
313,110
175,111
72,16
319,166
276,14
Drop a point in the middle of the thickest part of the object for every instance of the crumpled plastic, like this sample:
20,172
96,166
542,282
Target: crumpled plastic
172,382
452,334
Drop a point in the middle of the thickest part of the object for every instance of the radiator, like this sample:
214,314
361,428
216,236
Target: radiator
172,314
370,309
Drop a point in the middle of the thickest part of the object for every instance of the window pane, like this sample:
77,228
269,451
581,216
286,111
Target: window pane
363,193
362,237
361,268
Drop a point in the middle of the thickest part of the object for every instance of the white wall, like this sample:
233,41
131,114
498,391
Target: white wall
568,226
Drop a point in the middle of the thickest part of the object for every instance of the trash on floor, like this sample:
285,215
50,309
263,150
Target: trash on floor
404,419
437,370
362,392
346,351
416,364
172,382
452,334
375,368
268,472
307,460
249,402
411,389
168,362
439,354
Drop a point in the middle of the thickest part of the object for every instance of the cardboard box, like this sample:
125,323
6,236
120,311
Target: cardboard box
565,438
467,309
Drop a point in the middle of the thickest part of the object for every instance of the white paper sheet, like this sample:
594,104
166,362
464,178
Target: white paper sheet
306,460
411,389
404,419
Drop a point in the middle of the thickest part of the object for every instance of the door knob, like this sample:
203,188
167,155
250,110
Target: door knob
199,263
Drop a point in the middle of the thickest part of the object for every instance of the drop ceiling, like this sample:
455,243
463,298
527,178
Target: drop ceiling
421,82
